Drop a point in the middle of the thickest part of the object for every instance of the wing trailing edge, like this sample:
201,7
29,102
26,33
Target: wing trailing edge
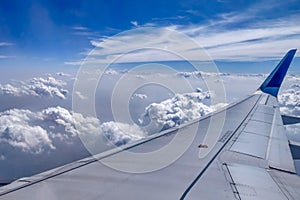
273,82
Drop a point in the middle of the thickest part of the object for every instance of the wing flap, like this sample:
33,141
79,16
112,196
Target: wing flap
288,183
254,183
279,154
251,144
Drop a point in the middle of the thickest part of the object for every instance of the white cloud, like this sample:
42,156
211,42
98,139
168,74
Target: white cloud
17,131
193,12
254,42
194,74
61,118
81,96
222,36
296,86
111,72
49,87
140,96
8,89
134,23
37,132
83,31
289,101
120,133
140,45
199,74
75,124
63,74
79,28
180,109
5,44
3,56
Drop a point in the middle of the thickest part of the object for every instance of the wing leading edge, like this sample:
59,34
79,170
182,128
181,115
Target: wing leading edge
251,160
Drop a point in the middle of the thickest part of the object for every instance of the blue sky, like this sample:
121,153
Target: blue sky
56,33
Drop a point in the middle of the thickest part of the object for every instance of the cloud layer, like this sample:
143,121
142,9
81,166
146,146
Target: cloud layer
39,87
38,132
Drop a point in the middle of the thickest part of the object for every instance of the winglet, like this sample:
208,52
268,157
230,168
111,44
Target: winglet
272,84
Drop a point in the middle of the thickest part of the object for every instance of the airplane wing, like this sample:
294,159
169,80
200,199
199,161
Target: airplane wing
250,160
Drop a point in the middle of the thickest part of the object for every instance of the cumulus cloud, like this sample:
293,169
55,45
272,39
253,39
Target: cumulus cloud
194,74
17,130
37,132
199,74
63,74
47,87
140,96
39,87
297,86
121,133
8,89
111,72
289,101
75,124
180,109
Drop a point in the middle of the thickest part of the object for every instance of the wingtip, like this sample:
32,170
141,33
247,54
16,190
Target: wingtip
273,82
292,51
